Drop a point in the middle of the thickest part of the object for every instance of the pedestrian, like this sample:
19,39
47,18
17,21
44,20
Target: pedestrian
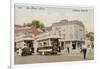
84,50
20,51
68,50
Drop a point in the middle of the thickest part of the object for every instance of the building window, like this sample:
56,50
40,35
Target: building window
59,33
54,33
57,28
64,36
71,35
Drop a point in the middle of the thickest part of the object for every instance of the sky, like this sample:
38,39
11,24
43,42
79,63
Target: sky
25,13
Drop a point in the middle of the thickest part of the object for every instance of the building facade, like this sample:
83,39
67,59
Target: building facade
72,34
69,35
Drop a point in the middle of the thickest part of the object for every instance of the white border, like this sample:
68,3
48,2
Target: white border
43,64
12,34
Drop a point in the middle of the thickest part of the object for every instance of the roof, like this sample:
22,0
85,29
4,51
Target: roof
66,22
30,30
23,39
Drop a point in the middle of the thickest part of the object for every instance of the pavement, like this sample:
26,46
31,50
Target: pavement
52,58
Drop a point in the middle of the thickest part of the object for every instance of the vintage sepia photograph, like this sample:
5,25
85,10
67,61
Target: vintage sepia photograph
44,34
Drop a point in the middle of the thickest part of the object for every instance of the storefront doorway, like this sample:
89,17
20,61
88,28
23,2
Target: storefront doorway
73,45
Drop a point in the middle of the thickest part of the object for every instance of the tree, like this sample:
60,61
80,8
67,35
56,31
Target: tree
42,26
90,37
36,23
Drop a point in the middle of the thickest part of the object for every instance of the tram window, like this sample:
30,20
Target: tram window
45,44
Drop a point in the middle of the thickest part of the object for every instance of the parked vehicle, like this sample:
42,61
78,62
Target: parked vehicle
26,51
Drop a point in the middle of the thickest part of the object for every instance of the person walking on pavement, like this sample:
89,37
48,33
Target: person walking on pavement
84,50
68,49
